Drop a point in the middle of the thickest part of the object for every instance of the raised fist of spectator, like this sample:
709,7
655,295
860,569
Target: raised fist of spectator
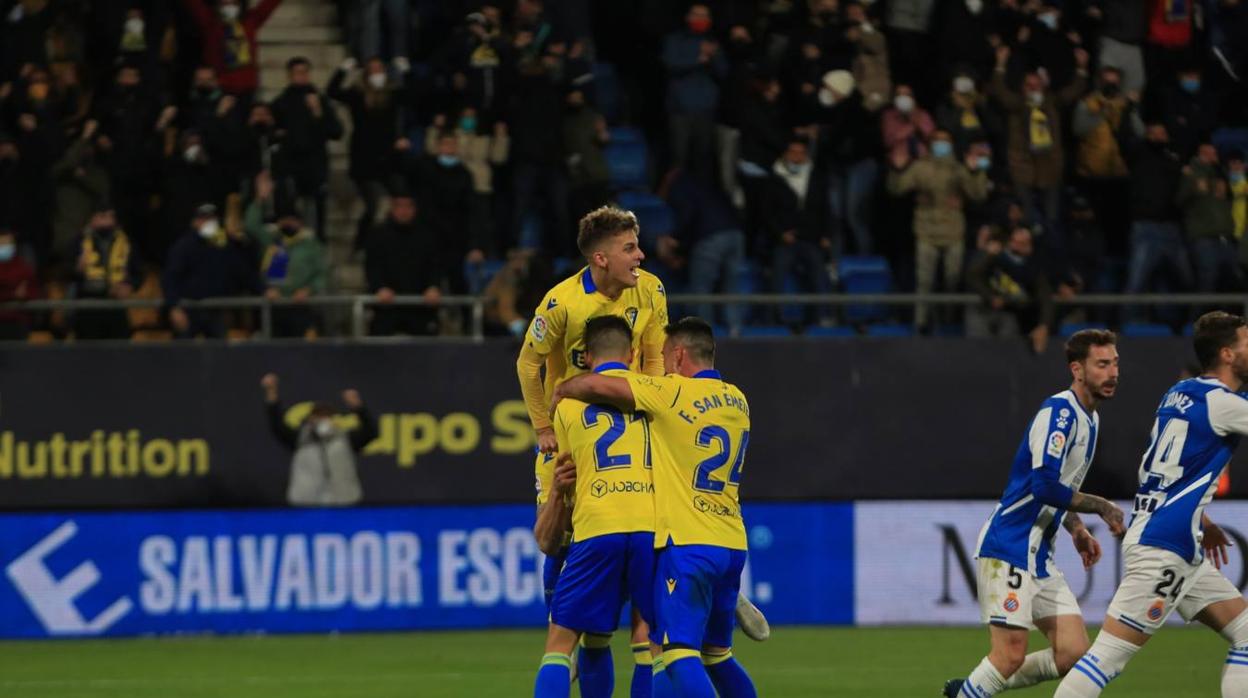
89,129
179,320
348,64
1003,55
313,100
474,256
402,144
27,122
351,398
740,33
225,105
264,185
401,64
900,158
167,116
1081,58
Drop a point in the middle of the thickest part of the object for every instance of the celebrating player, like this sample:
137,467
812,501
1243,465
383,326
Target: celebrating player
1019,586
1198,424
611,558
701,428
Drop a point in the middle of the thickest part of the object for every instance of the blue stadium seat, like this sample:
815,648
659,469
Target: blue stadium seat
563,267
766,331
606,92
890,330
654,216
826,332
626,163
1228,139
1069,328
626,134
1189,330
478,276
1146,329
865,275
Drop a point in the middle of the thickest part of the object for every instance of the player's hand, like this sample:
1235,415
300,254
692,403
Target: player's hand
351,398
565,476
1215,544
546,442
269,384
179,320
1113,517
1087,546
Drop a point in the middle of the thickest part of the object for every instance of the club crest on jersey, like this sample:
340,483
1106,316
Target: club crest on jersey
1062,418
1155,611
631,315
1057,442
539,328
1011,603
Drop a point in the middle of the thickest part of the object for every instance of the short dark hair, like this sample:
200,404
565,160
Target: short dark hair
696,336
322,409
1081,343
1214,332
297,60
608,335
602,224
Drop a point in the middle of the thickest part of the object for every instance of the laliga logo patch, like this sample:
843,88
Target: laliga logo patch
539,328
631,316
1011,603
1155,611
1057,442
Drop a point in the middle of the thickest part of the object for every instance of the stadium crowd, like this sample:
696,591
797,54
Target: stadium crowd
1018,149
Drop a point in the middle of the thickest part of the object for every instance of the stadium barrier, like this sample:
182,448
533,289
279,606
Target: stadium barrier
183,425
407,568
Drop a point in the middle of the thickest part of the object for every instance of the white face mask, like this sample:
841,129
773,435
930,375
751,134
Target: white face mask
229,12
192,153
134,25
1035,98
209,228
826,97
974,6
324,428
904,103
377,80
963,85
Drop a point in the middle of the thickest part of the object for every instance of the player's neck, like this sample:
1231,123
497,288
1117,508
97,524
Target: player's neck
1084,396
605,285
1227,377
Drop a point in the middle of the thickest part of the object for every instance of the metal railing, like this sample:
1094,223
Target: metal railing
357,306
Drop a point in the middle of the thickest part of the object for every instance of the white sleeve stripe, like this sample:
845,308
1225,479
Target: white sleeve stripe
1228,412
1038,437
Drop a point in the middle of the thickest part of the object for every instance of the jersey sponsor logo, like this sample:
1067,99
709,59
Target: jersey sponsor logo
601,488
631,315
1057,441
552,303
1011,603
539,328
706,506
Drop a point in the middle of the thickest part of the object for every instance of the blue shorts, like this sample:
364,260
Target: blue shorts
599,576
696,588
550,574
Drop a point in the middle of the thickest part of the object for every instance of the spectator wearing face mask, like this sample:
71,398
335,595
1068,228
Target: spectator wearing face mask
905,126
323,463
445,190
228,39
942,185
305,125
848,160
1017,296
107,267
1204,197
479,60
1102,121
1189,109
585,136
695,64
189,177
481,150
293,264
375,100
206,263
1034,137
18,282
1169,39
401,259
796,217
965,114
81,183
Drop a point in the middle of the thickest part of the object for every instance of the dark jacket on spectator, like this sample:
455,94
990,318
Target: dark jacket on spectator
401,258
375,126
198,268
587,160
445,195
81,183
692,86
848,133
1022,282
1204,198
1189,118
786,210
1041,169
702,209
303,135
969,119
230,48
537,122
1123,20
1154,179
763,134
128,118
184,186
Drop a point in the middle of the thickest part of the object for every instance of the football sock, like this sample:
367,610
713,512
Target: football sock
1235,671
687,674
594,665
643,681
983,682
1037,667
1093,672
662,682
554,679
728,676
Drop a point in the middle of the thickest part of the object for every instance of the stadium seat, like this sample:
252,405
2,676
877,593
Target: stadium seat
626,163
606,92
766,331
890,330
830,332
1189,330
654,216
1069,328
1230,139
865,275
479,275
626,134
1146,329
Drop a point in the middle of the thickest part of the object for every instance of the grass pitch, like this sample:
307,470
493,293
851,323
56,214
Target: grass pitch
795,663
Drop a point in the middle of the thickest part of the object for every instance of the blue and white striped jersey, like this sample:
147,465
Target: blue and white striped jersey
1048,469
1198,426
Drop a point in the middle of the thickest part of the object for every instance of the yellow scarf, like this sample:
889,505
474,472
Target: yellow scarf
114,272
1041,134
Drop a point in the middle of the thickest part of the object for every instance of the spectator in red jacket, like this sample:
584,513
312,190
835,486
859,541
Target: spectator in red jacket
17,283
228,37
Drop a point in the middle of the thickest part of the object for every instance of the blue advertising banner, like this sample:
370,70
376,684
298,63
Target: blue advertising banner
116,574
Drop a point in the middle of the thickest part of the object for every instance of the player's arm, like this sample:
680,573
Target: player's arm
1050,433
595,388
1228,413
1086,545
654,335
545,332
554,519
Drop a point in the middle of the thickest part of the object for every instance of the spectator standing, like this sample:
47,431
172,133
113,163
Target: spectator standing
870,64
481,153
18,282
206,263
1237,178
848,157
305,124
81,185
401,260
1204,198
1156,240
228,40
1124,26
1189,109
365,27
965,114
292,261
1016,293
323,463
585,136
1099,122
907,24
515,291
695,64
539,166
107,267
797,221
444,189
905,126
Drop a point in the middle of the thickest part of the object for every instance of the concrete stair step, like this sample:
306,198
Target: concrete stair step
349,278
321,55
304,14
294,34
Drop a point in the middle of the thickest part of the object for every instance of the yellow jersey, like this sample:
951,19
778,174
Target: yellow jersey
557,332
611,449
701,429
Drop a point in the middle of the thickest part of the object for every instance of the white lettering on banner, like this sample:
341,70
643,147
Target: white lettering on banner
483,566
283,573
52,599
914,561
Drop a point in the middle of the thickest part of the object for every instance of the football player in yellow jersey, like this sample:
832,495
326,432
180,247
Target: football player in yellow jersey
611,283
700,426
611,558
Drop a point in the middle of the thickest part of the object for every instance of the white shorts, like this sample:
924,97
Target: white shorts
1157,581
1013,597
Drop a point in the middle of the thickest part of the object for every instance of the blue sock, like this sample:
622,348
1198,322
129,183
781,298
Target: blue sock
662,682
729,677
554,679
643,681
596,672
689,676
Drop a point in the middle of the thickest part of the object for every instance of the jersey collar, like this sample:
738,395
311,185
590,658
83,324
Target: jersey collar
708,373
611,366
587,282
